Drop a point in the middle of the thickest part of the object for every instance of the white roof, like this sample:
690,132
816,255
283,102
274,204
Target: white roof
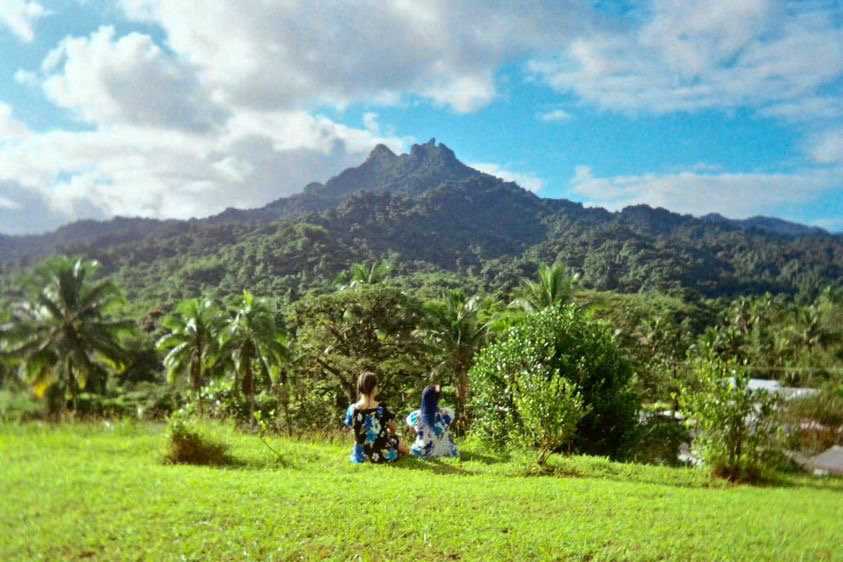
775,387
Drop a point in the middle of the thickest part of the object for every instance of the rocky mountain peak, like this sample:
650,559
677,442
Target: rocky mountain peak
381,155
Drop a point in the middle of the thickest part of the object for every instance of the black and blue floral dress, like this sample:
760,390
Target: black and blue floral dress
373,441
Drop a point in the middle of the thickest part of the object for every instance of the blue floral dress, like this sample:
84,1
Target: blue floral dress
433,441
373,441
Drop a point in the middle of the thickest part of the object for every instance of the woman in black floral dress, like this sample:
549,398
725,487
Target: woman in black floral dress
373,425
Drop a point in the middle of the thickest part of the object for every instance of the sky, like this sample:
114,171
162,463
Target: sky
182,108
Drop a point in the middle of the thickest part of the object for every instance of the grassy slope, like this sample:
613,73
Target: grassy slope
101,491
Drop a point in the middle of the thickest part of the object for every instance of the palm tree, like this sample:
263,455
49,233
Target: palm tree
62,335
190,344
363,274
253,345
555,286
457,330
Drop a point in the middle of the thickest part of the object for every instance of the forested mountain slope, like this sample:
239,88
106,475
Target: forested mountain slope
428,212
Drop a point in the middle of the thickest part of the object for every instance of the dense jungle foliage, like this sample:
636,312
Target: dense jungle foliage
72,343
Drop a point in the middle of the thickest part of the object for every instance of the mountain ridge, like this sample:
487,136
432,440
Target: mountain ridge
425,167
426,211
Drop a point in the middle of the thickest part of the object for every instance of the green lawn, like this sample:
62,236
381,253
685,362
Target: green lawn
100,491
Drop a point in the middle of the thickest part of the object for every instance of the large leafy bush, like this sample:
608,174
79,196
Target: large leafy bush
550,408
734,425
558,342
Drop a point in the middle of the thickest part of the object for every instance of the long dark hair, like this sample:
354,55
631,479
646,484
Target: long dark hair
430,404
366,383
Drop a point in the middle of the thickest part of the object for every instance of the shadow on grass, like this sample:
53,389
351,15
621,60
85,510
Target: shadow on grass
434,466
471,456
617,472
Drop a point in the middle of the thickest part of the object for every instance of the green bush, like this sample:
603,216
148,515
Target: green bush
734,426
19,406
560,342
189,444
550,408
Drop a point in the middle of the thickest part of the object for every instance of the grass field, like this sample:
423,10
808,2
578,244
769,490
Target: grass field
100,491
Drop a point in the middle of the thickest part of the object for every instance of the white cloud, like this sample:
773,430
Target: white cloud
554,116
827,147
9,204
255,158
737,195
110,81
807,109
370,122
526,180
687,56
10,128
19,17
282,55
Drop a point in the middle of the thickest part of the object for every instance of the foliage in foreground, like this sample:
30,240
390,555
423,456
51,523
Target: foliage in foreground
734,425
557,342
61,334
550,407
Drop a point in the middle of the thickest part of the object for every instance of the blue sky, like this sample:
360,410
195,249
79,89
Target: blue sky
174,108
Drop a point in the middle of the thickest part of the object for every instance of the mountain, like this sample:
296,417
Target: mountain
769,224
425,167
430,214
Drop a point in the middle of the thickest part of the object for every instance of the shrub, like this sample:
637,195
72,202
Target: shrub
550,408
188,444
19,406
560,342
733,425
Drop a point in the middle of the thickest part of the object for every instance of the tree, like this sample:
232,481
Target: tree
557,342
456,331
342,334
734,424
254,346
63,333
360,274
190,344
555,286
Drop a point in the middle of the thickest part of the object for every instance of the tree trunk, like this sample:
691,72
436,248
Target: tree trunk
285,401
71,385
197,382
250,389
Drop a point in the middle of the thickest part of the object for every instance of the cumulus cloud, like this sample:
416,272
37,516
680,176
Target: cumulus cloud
255,158
128,80
736,195
160,145
282,55
687,56
526,180
19,17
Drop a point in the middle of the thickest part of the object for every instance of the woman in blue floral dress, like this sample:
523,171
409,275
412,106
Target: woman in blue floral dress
431,426
373,425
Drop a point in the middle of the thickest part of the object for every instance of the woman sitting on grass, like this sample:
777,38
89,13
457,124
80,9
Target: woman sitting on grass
373,425
431,426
